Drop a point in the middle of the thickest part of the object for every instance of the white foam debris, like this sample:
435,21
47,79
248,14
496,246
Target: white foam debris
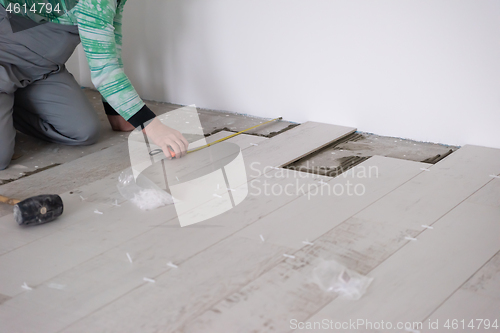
425,169
427,226
216,195
307,242
170,264
262,238
129,258
288,256
25,286
98,212
83,199
56,286
150,198
494,176
149,280
253,144
177,178
116,203
410,238
231,189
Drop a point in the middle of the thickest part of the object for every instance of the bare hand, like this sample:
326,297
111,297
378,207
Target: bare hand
164,136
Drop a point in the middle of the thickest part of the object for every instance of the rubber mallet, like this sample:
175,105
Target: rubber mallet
36,210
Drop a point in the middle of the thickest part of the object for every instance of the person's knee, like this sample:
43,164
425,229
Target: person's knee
6,154
87,132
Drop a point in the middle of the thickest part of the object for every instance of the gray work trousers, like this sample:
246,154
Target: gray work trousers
38,96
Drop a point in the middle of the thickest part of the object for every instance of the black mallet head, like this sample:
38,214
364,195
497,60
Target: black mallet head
38,210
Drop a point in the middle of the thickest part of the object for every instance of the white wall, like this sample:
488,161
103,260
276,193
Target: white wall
78,66
422,69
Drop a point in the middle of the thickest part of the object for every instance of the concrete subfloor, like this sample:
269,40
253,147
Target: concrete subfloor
42,167
338,157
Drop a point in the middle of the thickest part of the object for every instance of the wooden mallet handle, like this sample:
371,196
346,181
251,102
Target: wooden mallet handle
9,201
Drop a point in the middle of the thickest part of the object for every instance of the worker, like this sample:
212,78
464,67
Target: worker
39,97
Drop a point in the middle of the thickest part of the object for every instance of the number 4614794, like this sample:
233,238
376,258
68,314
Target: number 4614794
473,324
40,7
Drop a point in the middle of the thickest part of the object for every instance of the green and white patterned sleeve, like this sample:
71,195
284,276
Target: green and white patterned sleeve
117,24
99,24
